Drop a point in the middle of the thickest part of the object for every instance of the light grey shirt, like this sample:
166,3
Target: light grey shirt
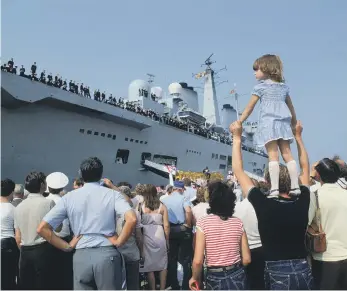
28,215
91,211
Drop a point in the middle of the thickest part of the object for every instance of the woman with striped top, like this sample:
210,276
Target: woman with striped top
221,240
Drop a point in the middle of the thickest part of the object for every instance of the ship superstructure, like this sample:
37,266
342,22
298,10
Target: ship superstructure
48,129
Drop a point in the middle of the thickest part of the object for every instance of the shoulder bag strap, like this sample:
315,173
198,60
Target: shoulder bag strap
318,214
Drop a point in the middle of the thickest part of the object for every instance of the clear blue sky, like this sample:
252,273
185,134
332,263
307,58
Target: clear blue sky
107,44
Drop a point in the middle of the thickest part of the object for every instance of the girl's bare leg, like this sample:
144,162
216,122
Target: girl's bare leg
151,280
162,276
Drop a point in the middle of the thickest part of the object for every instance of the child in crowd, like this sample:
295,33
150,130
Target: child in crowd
276,119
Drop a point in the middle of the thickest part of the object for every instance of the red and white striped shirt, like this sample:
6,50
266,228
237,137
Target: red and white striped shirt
223,239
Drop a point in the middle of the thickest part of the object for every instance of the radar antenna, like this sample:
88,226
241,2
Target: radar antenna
208,62
150,78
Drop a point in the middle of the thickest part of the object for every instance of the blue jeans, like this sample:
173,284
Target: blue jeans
288,275
234,279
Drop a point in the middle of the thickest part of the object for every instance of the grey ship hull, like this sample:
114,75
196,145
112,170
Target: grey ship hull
42,130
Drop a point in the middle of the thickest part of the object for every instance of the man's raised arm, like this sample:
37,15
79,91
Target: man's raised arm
244,181
302,155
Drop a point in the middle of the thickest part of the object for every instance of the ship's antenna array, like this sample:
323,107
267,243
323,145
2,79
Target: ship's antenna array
208,62
150,78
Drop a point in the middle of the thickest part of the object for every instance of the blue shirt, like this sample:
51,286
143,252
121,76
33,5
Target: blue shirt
91,211
175,204
189,194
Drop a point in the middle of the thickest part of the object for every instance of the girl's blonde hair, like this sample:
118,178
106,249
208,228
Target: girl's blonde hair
271,66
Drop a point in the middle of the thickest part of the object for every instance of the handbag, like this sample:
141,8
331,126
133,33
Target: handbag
315,239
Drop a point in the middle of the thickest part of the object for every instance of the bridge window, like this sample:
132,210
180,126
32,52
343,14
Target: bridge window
102,134
126,139
81,130
141,142
122,156
222,167
89,132
109,135
165,160
96,133
222,157
114,136
137,141
131,140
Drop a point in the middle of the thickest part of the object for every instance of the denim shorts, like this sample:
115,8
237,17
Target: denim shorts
233,279
288,275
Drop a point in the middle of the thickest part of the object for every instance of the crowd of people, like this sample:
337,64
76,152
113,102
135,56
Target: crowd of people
225,235
85,91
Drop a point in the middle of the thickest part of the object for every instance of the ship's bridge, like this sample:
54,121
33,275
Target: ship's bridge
191,116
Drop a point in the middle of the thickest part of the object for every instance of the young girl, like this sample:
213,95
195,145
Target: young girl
276,119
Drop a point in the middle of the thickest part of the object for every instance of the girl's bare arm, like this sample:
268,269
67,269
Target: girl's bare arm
249,108
291,109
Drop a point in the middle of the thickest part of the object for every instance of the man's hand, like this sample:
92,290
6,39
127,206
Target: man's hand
74,241
113,240
297,130
108,184
236,128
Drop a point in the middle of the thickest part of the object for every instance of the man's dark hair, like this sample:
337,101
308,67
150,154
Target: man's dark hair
343,170
34,181
79,182
221,199
328,171
55,191
187,182
91,170
7,187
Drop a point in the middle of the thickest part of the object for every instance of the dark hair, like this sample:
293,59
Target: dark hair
328,171
7,187
221,199
343,170
34,181
91,170
79,182
187,182
151,198
55,191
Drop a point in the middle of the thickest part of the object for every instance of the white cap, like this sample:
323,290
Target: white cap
57,180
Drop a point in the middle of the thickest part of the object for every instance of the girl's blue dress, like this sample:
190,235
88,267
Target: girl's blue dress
274,117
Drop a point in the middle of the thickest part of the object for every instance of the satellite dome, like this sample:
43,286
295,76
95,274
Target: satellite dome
137,89
175,88
139,84
157,91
